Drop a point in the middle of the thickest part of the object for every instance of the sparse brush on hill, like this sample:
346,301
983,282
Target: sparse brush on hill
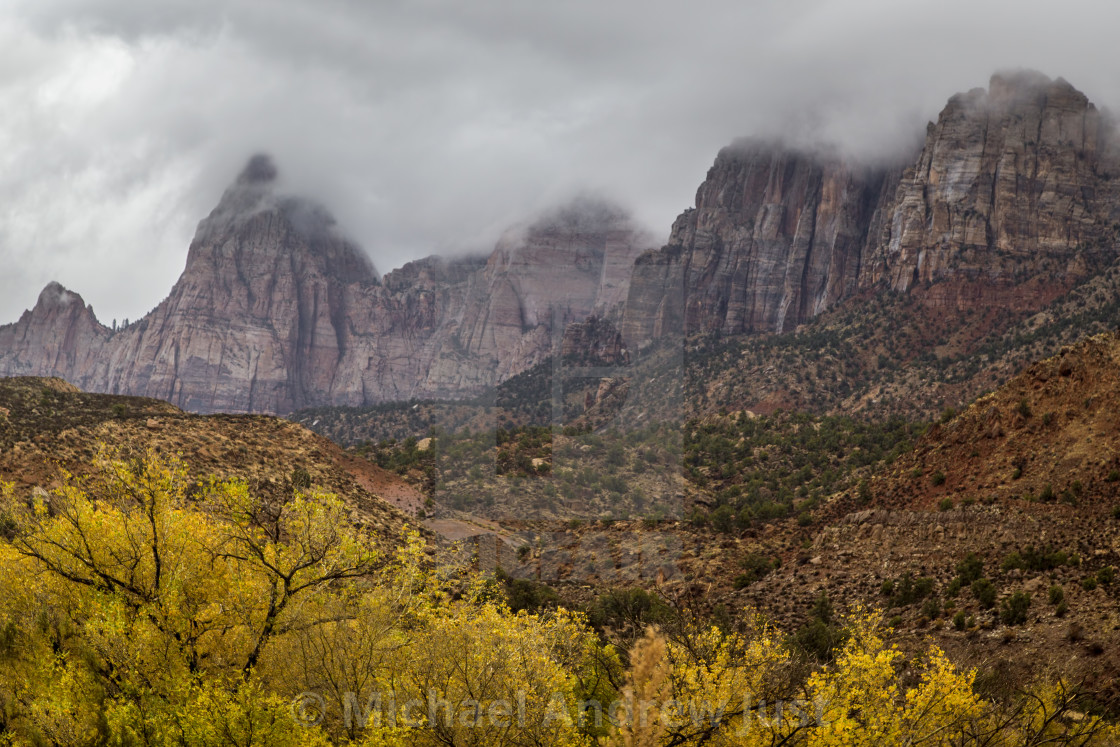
134,613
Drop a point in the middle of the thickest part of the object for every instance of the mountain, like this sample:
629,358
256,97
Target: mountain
1010,203
276,309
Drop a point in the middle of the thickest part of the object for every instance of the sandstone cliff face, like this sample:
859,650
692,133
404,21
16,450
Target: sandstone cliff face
1013,198
60,334
776,237
561,270
1011,201
277,310
1008,177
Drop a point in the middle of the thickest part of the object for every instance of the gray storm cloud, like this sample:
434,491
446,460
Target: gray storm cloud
432,125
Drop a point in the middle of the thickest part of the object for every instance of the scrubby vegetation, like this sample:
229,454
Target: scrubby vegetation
153,610
761,468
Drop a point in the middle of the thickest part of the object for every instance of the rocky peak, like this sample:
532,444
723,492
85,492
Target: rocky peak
1015,88
1010,202
254,223
588,245
1007,178
55,296
259,170
777,235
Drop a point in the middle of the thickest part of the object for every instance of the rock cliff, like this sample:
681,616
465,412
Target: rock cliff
276,310
1008,178
776,237
1010,202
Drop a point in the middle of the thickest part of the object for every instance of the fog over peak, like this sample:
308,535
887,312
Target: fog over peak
431,126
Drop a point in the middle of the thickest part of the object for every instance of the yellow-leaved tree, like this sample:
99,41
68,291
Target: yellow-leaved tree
138,608
142,609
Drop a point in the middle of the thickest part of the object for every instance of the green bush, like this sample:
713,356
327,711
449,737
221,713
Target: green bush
1037,559
723,518
985,592
1106,575
938,478
820,638
959,620
1057,594
756,566
1013,611
909,590
970,568
946,504
1089,583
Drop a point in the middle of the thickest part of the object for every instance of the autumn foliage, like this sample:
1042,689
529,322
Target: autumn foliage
141,609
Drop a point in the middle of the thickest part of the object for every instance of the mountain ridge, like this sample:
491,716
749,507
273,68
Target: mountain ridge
1009,204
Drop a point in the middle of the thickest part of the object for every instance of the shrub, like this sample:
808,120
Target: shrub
1047,494
723,518
1089,583
946,504
970,568
1013,611
1061,609
756,567
931,608
1024,408
938,478
887,589
959,620
1035,559
953,588
985,592
909,590
820,637
1114,475
1057,594
1106,575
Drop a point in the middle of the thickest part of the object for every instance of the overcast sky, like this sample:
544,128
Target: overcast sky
427,126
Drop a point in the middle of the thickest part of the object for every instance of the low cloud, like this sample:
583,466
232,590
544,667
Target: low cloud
432,125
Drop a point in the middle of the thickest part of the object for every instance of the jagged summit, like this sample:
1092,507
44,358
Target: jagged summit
583,213
1008,86
259,170
1011,201
253,214
55,294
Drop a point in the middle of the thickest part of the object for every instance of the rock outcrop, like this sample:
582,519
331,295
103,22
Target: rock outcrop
278,310
1008,178
1011,201
1013,185
775,238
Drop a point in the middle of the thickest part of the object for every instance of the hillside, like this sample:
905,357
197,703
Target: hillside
47,425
